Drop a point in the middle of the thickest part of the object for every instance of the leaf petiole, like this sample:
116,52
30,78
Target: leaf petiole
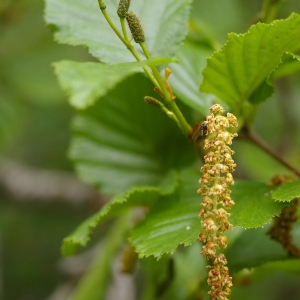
270,10
123,25
125,39
181,121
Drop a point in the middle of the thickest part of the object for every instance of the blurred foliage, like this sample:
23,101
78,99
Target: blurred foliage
30,237
34,115
34,130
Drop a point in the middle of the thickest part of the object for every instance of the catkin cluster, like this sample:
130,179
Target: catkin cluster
283,224
215,189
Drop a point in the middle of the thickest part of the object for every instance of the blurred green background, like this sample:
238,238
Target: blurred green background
41,200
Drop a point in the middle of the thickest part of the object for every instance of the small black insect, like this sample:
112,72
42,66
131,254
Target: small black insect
199,131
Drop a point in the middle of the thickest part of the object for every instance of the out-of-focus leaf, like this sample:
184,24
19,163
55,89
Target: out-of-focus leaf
254,205
145,197
25,59
290,65
253,248
157,274
186,281
296,233
285,265
94,283
187,76
290,265
86,82
246,60
82,23
258,165
121,142
287,191
263,92
10,111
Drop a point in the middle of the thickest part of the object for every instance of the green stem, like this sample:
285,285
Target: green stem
123,25
156,74
270,10
110,22
183,124
170,115
125,40
145,50
156,77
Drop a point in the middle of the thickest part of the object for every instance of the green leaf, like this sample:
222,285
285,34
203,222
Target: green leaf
146,196
253,248
94,283
287,191
254,205
286,265
86,82
157,274
186,77
259,164
171,222
173,218
291,265
263,92
82,23
290,65
235,71
186,281
121,142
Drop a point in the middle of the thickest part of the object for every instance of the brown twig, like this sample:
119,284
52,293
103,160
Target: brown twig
249,134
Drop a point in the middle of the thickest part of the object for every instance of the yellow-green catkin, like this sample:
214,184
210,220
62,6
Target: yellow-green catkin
123,8
215,190
152,101
135,27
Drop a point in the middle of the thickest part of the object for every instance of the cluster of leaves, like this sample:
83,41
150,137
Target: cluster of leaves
135,154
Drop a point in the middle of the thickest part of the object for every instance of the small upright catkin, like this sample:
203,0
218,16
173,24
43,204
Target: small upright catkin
216,200
135,27
123,8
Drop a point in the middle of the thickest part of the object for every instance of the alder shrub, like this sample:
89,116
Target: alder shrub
158,116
